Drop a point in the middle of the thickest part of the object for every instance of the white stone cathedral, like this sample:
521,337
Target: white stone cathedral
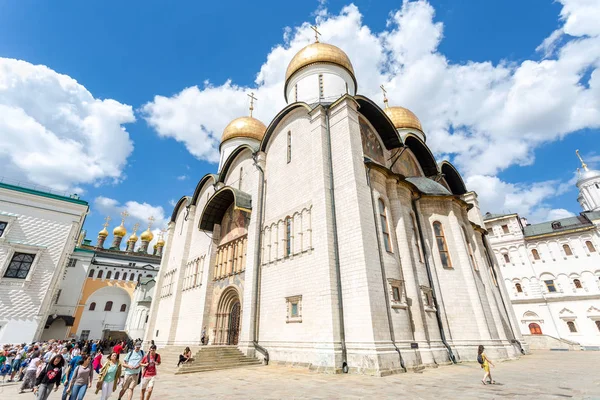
332,239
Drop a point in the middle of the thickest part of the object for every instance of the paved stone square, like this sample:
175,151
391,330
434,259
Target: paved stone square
541,375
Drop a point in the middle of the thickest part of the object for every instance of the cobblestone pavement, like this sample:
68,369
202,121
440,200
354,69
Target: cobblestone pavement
541,375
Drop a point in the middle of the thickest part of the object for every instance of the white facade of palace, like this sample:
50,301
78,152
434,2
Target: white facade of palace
332,239
552,270
38,231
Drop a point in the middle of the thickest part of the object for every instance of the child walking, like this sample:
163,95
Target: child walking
485,364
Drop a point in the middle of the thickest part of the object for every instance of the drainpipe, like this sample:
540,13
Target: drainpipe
430,279
257,261
336,249
383,275
490,261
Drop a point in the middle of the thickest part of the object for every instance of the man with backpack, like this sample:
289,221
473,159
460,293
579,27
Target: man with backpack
131,363
149,363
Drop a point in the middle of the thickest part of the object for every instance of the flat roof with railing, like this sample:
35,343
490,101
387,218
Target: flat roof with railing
39,190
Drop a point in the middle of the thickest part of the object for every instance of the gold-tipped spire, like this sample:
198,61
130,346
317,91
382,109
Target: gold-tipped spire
104,231
252,98
385,99
583,164
317,33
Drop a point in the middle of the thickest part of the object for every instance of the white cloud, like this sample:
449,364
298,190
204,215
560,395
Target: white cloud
182,177
486,117
53,132
172,202
138,213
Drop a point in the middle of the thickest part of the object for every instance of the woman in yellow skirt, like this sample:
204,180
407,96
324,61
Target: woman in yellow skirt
485,364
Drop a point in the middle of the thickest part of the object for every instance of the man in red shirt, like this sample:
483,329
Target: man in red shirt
118,348
149,363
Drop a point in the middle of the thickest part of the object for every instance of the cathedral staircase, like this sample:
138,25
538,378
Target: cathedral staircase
212,358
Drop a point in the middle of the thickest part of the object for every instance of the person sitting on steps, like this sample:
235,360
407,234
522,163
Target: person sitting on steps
185,357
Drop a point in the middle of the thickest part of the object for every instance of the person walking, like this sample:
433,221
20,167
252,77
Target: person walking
97,363
149,364
132,363
485,364
109,376
32,366
72,365
82,378
49,376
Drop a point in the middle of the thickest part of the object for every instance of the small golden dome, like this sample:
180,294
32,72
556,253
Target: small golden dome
160,242
103,233
120,231
147,236
247,127
133,238
403,118
319,53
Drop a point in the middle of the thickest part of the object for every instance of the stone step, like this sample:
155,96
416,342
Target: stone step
194,364
217,367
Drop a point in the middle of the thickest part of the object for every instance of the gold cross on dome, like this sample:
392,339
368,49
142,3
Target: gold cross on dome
583,164
150,221
252,98
385,100
317,33
136,226
124,215
107,221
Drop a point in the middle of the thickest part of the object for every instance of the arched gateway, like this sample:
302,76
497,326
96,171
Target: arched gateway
229,310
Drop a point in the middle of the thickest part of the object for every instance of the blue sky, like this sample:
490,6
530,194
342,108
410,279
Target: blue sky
123,54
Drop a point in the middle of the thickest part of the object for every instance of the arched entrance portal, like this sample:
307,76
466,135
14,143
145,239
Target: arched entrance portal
227,328
535,329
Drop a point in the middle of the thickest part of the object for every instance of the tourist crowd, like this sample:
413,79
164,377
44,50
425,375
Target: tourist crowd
44,366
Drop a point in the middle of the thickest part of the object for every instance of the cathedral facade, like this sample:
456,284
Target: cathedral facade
332,239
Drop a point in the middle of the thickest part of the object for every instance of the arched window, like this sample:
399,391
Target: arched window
567,250
590,246
506,258
577,284
384,227
123,307
117,274
91,274
92,306
535,254
131,276
535,329
289,147
288,237
572,327
124,276
441,244
108,274
100,273
139,277
518,287
550,286
108,306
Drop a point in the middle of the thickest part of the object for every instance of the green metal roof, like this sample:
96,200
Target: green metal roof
428,186
566,224
489,215
592,215
35,192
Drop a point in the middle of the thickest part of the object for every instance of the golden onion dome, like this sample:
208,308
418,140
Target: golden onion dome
244,127
147,236
103,233
319,53
403,118
160,242
133,238
120,231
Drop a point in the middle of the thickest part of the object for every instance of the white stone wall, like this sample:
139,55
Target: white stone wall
46,227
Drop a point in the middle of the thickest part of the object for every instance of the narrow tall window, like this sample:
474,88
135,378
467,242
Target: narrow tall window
241,178
139,278
108,306
589,244
117,274
91,274
321,89
567,250
92,306
550,286
535,329
577,284
2,227
441,244
505,229
100,274
384,227
108,274
572,327
289,147
131,276
506,258
519,288
535,254
19,266
288,237
123,308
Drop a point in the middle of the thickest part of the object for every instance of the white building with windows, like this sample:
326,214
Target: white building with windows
38,231
552,270
332,239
